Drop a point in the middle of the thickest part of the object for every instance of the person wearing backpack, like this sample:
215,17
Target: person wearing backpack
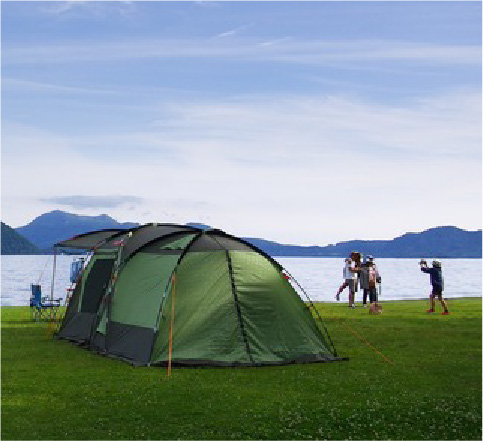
364,279
369,279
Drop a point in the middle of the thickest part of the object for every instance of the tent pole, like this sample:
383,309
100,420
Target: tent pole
315,310
237,307
171,326
166,289
52,286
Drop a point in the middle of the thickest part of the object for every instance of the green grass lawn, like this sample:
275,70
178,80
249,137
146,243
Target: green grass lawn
55,390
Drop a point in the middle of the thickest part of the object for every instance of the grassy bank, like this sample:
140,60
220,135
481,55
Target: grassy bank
55,390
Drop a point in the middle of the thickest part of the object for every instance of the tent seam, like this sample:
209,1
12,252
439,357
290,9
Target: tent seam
161,307
237,306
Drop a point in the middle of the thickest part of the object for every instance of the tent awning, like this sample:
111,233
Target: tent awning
89,240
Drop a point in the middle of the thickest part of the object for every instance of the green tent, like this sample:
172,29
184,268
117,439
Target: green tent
164,292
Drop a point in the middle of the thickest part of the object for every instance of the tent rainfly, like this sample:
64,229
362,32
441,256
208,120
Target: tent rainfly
163,293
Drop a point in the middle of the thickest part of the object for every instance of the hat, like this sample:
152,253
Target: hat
370,258
437,263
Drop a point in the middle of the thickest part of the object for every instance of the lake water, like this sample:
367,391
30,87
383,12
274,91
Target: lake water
320,277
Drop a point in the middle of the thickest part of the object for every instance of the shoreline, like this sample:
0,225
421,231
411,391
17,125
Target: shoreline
322,302
342,302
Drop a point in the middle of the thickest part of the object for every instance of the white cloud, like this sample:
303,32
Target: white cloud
61,7
96,9
307,170
286,51
276,41
82,202
319,52
292,168
318,126
234,31
36,86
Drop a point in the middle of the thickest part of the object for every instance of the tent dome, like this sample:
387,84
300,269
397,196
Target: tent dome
193,296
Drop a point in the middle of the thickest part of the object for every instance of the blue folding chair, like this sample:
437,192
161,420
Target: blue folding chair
41,308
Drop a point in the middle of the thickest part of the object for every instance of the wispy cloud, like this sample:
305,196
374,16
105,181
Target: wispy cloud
235,31
233,152
207,3
58,8
79,8
276,41
286,51
356,51
26,85
84,202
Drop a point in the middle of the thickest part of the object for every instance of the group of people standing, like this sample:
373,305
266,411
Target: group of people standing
363,273
366,275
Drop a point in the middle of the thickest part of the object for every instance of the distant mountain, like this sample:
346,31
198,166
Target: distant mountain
14,243
443,242
196,225
50,228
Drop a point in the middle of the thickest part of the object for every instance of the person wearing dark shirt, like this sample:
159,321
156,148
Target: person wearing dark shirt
437,282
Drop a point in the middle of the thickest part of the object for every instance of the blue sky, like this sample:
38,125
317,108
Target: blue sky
301,122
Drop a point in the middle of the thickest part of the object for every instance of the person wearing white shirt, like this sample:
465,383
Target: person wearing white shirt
350,281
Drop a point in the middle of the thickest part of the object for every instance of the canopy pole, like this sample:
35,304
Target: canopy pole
43,271
171,326
52,285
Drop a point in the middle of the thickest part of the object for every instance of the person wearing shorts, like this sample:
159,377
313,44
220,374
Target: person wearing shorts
437,283
373,276
350,281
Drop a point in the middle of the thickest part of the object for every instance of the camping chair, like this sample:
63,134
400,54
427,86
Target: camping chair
41,307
